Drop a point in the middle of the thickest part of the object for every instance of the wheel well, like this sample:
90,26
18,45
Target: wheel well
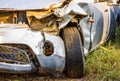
73,24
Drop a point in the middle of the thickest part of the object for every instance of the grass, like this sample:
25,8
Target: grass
103,64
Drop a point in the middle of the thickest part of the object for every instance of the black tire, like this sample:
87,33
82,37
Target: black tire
74,52
112,30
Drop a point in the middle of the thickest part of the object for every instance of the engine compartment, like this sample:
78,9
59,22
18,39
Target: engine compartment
42,21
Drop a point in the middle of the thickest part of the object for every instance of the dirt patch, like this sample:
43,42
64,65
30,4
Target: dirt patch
34,77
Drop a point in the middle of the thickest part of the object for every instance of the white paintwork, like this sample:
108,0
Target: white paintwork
16,67
1,38
31,38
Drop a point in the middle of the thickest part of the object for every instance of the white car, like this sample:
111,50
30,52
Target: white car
51,36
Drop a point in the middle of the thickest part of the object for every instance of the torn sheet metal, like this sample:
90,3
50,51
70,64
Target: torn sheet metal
93,33
68,12
70,9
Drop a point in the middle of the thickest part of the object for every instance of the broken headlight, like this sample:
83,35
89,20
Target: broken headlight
48,48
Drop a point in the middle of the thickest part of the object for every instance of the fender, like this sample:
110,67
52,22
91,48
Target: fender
53,63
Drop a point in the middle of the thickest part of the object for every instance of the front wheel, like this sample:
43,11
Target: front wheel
74,52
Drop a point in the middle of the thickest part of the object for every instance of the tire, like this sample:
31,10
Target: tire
112,30
74,52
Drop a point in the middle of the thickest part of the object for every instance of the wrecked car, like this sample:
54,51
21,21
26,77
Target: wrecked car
52,36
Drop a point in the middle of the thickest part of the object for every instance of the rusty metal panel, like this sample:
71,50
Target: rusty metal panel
6,17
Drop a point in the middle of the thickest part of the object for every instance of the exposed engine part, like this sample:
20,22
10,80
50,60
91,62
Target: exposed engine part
21,17
47,24
7,17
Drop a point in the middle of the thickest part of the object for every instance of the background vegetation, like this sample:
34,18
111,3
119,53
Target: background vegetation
103,64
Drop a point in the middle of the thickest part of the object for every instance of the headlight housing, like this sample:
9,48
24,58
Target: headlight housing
48,48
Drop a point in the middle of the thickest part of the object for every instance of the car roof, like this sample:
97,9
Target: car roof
26,4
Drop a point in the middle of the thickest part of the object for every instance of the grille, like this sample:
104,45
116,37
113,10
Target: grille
15,55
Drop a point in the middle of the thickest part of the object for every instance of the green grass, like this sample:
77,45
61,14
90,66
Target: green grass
103,64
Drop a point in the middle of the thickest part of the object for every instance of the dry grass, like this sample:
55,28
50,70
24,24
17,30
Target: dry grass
103,64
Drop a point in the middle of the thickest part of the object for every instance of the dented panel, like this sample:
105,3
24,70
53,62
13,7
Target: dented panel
40,21
55,62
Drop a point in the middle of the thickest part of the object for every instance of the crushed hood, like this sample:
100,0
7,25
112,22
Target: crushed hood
26,4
